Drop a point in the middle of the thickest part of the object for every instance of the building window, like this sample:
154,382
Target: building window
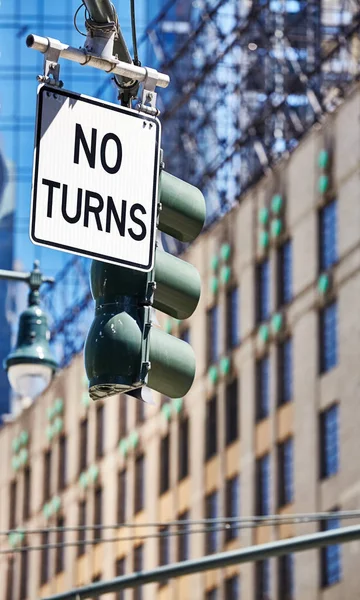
47,476
231,416
211,428
263,308
285,274
23,574
60,540
81,531
263,485
212,594
10,578
83,445
183,448
330,557
232,318
120,570
138,559
62,462
262,388
139,412
211,512
165,464
121,497
286,472
123,400
232,502
262,580
44,570
96,579
99,444
98,513
213,335
286,584
139,483
164,550
183,537
27,494
12,507
328,337
285,371
232,588
138,567
164,547
328,236
329,441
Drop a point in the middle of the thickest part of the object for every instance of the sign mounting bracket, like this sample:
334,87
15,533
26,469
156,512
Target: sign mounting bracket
148,96
51,74
54,49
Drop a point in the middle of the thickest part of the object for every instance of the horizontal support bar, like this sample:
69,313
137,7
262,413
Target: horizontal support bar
84,58
214,561
19,276
14,275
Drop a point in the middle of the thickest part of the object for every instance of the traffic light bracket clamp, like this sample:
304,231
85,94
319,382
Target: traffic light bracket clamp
145,364
147,304
150,291
148,95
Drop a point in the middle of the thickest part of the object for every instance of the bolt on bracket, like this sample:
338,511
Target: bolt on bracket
51,74
148,95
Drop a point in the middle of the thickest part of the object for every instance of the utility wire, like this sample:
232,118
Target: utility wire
159,535
133,32
101,540
208,562
76,14
217,524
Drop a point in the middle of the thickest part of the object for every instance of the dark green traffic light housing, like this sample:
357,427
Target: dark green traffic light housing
124,350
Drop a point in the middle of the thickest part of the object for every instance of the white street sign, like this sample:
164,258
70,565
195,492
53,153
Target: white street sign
95,179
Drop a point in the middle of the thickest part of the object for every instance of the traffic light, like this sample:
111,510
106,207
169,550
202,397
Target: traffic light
124,350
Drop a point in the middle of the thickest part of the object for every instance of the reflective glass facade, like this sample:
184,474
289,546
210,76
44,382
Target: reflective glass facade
19,67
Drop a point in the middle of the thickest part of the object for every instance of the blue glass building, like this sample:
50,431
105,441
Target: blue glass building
19,67
6,261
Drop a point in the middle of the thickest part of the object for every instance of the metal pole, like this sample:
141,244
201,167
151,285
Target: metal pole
102,11
214,561
83,58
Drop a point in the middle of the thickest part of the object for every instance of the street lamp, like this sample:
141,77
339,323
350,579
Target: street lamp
30,366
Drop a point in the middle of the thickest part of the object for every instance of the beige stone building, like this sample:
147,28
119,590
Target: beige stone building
271,424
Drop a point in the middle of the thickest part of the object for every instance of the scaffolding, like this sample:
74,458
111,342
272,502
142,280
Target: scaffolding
247,83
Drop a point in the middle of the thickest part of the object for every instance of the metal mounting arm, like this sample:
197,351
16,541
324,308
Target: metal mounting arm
105,39
34,279
103,11
84,58
104,49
